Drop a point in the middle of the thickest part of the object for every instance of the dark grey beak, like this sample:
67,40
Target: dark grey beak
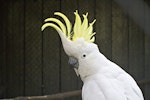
73,62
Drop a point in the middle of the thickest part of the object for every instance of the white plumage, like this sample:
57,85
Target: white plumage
110,83
103,79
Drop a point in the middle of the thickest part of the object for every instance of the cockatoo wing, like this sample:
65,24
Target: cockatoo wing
101,87
132,91
92,91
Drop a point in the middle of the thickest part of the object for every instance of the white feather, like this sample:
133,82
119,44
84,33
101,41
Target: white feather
110,83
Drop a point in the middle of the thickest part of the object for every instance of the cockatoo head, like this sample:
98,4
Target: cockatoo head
77,40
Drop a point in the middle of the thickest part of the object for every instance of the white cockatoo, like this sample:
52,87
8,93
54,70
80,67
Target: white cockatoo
102,79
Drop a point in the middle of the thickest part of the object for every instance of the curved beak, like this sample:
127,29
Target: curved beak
73,62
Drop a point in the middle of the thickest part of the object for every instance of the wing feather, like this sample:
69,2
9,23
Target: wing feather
111,87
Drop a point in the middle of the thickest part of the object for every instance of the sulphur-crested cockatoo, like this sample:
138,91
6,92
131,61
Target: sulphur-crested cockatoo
102,79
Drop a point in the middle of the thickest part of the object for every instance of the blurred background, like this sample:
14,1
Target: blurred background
33,63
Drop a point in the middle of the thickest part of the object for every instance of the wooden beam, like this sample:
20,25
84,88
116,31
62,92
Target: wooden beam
61,96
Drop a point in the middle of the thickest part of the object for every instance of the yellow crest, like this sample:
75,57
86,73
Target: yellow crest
80,29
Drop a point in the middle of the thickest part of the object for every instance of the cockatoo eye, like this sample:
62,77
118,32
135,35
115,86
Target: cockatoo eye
83,56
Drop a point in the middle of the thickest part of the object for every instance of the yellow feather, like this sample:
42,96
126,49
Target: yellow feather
77,25
84,24
68,24
92,34
90,28
80,29
93,39
51,25
89,31
93,21
62,26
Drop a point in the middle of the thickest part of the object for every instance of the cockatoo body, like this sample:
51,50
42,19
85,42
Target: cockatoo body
102,79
